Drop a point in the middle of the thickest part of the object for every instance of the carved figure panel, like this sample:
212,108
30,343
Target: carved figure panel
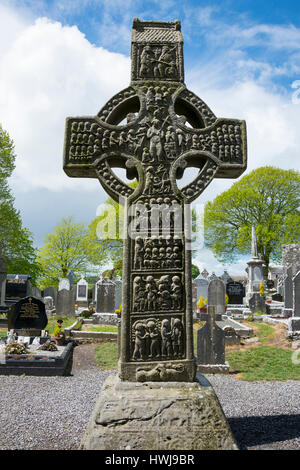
157,293
159,339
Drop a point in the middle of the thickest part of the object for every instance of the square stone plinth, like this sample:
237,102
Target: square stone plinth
158,416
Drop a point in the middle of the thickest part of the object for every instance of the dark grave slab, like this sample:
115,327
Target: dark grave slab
28,315
236,292
41,364
18,286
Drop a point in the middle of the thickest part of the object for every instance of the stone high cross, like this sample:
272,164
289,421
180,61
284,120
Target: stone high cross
167,129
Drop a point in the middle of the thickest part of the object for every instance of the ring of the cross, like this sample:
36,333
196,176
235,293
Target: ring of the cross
208,166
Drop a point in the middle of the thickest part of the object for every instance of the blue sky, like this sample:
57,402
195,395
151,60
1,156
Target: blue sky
64,58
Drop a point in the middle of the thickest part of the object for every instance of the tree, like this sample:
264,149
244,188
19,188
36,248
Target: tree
65,249
105,236
268,198
16,241
195,271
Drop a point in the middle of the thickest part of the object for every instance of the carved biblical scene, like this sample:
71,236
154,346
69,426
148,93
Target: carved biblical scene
160,217
158,61
157,339
158,252
157,293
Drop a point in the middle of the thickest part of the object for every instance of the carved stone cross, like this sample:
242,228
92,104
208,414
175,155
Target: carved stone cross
167,129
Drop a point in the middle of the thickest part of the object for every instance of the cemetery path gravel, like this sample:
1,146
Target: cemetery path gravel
53,412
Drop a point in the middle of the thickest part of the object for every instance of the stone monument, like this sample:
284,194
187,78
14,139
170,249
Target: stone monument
2,279
255,270
291,265
211,338
82,293
65,298
168,129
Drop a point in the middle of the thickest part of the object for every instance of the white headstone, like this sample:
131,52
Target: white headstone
64,283
82,290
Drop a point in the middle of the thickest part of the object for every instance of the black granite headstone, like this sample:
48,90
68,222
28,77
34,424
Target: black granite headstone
236,292
27,314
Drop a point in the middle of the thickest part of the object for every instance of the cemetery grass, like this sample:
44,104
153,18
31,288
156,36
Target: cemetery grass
106,355
101,328
268,359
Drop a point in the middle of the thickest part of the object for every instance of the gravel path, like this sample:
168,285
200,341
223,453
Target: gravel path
53,412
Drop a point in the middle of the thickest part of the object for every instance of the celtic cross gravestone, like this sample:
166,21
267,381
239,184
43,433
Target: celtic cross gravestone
167,128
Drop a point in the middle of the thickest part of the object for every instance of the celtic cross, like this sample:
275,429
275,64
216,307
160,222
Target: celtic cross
155,129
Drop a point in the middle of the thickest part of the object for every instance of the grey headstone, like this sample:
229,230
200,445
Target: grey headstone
216,296
211,341
118,291
296,296
65,303
51,292
105,302
288,287
257,303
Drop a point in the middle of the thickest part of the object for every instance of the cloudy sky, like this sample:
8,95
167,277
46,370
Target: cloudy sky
68,57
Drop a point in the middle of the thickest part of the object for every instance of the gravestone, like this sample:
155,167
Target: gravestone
255,270
202,286
65,298
72,277
216,297
36,292
257,303
212,276
194,298
236,292
2,279
296,295
167,129
291,265
27,317
204,273
18,286
118,291
82,293
211,346
105,300
51,292
225,277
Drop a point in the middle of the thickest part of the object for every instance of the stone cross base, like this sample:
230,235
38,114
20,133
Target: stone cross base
213,368
158,416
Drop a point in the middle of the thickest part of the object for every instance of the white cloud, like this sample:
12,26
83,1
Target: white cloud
50,72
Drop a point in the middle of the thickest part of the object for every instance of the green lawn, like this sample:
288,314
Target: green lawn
106,355
264,363
102,328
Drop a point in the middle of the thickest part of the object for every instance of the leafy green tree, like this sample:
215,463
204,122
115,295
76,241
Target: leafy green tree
16,241
268,198
195,271
105,236
65,249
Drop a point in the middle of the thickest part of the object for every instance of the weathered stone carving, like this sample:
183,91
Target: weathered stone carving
164,129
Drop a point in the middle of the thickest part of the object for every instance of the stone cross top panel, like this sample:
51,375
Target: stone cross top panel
155,129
